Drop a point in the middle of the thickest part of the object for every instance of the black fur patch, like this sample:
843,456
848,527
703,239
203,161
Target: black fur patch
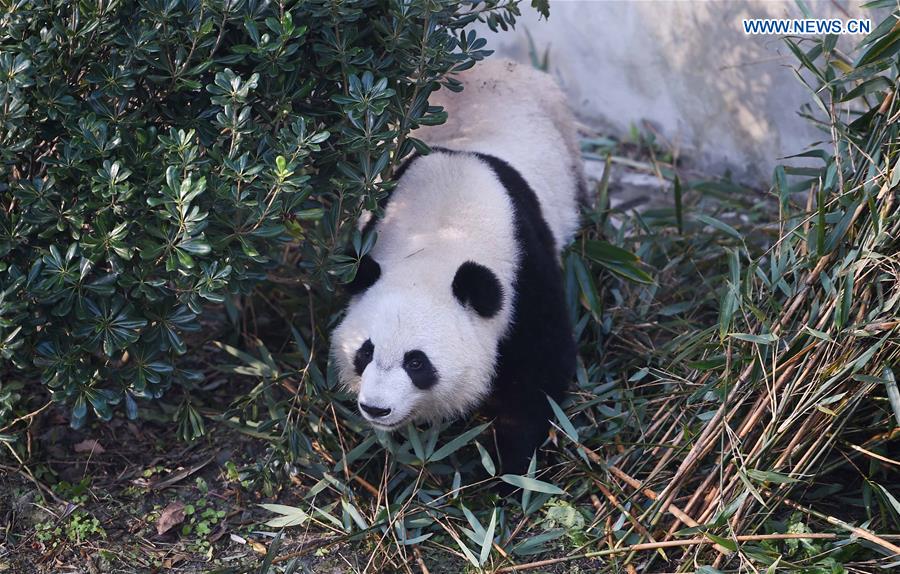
537,356
477,286
420,370
363,357
367,274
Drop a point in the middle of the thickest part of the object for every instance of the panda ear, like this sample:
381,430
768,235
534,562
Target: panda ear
477,286
367,274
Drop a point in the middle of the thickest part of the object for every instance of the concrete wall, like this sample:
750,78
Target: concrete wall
729,100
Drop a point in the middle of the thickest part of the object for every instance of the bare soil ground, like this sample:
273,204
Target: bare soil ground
130,497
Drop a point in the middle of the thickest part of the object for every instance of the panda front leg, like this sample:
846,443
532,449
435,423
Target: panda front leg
521,426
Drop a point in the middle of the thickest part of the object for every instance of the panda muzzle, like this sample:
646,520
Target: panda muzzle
375,412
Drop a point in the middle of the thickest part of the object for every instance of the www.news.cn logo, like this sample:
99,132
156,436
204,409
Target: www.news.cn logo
807,26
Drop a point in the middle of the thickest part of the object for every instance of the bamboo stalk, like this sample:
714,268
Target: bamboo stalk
419,560
631,518
862,533
659,545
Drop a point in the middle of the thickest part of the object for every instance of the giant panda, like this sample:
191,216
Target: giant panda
461,304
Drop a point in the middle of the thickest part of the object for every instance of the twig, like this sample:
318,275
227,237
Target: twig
307,546
862,533
874,455
674,510
420,561
664,544
29,416
631,518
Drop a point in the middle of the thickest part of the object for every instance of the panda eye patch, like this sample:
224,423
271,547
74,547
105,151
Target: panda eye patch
420,370
363,357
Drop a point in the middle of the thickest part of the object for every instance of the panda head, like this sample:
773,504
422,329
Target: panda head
415,345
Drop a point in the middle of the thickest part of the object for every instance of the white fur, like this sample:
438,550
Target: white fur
446,210
519,114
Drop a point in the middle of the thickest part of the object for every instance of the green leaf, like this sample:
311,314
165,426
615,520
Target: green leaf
724,542
602,251
891,499
720,225
486,461
542,6
197,246
763,339
876,84
531,484
488,538
586,285
350,509
290,516
818,334
564,422
885,47
457,443
770,476
538,544
629,271
893,393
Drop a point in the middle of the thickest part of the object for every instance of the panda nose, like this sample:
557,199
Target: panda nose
375,412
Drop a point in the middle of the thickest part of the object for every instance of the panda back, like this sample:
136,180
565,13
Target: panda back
518,114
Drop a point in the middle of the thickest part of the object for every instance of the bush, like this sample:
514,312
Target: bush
156,154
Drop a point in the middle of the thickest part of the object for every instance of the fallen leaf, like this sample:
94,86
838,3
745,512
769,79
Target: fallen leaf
218,533
238,539
257,547
89,445
172,515
174,560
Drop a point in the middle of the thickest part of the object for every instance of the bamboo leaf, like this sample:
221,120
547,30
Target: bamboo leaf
486,461
763,339
488,538
563,420
602,251
883,48
531,484
457,443
290,516
724,542
893,393
770,476
720,225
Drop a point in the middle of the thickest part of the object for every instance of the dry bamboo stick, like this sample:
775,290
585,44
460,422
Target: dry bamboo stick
631,518
706,441
659,545
419,560
874,455
862,533
689,507
634,483
759,447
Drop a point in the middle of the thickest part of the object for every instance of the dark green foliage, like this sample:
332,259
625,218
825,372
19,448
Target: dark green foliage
155,154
